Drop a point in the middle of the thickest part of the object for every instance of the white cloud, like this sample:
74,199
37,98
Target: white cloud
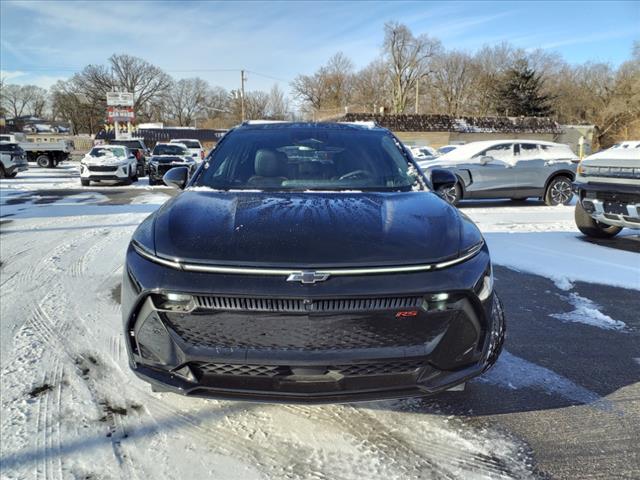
8,75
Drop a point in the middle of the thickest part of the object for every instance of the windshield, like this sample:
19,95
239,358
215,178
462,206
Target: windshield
169,149
106,152
131,144
191,143
309,159
446,149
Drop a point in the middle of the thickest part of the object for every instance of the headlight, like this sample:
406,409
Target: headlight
485,284
174,302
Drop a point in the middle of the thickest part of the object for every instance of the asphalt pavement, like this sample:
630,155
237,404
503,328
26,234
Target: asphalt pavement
568,390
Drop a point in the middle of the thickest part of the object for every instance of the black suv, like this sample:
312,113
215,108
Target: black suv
309,262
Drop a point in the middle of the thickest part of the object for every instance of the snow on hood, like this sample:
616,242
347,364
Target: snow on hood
615,153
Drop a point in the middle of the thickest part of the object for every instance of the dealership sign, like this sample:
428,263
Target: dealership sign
120,114
120,99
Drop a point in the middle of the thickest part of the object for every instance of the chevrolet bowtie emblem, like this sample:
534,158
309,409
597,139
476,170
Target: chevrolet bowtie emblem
307,277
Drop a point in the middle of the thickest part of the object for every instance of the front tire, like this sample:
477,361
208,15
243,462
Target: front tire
558,191
591,227
451,195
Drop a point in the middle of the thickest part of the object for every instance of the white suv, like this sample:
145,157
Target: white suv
109,162
608,186
194,146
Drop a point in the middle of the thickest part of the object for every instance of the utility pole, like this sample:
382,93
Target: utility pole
242,80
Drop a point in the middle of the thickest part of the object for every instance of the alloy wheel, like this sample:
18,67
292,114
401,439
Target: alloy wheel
561,192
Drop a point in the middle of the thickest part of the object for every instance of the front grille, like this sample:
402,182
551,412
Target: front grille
306,332
612,172
102,168
297,305
377,368
620,198
387,368
241,370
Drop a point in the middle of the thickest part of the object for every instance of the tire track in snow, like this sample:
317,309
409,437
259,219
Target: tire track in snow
412,456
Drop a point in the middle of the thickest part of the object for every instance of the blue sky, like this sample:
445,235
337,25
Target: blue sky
42,42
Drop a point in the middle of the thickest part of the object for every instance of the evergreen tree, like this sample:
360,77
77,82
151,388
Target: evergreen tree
520,93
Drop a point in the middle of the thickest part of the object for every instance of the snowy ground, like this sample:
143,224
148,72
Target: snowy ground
563,400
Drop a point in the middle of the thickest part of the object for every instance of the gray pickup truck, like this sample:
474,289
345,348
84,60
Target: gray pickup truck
608,188
12,160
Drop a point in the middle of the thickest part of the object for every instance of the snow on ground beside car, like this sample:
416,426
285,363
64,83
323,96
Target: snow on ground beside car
545,241
515,373
72,408
65,175
587,312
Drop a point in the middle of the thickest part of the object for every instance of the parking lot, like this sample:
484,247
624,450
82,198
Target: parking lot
563,401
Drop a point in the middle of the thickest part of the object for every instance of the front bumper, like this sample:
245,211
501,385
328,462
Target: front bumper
223,350
611,204
104,172
17,167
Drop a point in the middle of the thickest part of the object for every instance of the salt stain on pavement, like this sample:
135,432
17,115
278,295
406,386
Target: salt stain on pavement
587,312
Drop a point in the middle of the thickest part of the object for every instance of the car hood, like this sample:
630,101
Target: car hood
309,229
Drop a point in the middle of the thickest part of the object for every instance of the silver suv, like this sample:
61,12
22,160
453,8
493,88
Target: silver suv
12,159
515,169
608,186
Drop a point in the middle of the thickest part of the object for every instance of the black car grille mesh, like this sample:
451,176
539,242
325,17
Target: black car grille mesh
387,368
102,168
377,368
275,331
296,305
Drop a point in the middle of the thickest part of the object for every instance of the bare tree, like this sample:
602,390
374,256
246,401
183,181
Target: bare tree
186,99
452,82
329,87
256,105
371,86
39,100
408,58
278,105
68,103
16,99
135,75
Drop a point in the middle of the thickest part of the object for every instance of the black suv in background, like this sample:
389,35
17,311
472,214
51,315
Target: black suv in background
139,149
309,262
165,156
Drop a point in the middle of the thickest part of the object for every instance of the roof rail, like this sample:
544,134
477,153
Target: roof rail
262,122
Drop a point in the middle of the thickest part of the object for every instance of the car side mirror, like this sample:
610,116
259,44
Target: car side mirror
442,179
176,177
485,159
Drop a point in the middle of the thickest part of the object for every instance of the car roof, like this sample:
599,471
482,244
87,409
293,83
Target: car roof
110,147
178,140
470,149
280,125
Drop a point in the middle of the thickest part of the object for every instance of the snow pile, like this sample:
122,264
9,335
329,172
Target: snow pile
587,312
